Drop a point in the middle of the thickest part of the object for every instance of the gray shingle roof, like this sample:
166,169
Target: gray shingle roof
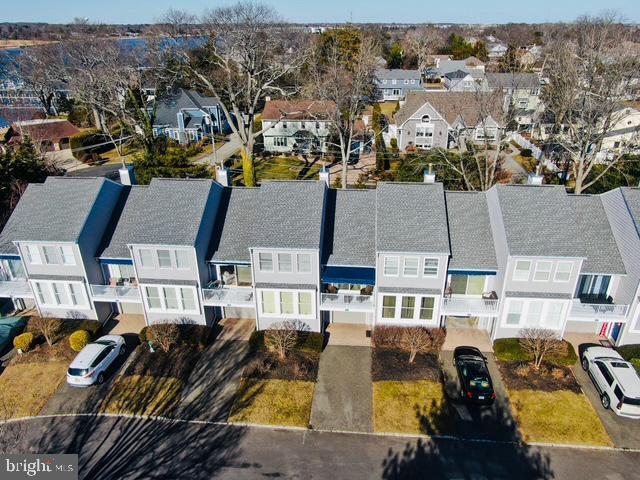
472,246
411,217
350,228
397,74
168,107
632,198
513,80
167,212
53,211
546,221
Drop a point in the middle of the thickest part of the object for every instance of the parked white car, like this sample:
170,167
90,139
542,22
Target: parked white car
615,379
93,360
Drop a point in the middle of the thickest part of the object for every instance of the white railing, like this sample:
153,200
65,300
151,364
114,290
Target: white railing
469,306
123,293
15,289
228,297
597,310
346,302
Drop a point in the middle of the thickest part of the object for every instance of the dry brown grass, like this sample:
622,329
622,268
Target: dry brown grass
143,395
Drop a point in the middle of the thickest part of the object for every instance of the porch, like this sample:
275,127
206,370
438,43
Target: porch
469,306
111,293
228,297
15,289
347,289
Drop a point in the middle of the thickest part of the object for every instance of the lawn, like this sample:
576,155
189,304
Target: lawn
387,109
143,395
557,417
410,407
285,168
273,402
25,388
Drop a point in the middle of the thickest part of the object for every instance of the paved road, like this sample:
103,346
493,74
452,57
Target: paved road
231,147
343,397
115,448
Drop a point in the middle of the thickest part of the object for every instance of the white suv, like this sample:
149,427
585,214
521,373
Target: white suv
616,380
93,360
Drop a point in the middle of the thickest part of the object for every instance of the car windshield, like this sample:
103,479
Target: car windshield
619,365
77,372
105,342
476,375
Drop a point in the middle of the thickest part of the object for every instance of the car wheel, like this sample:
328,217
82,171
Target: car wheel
123,350
606,403
100,379
585,364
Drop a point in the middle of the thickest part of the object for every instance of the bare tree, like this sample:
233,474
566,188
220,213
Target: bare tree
540,343
423,42
250,53
40,68
344,81
46,326
165,335
421,340
281,337
592,71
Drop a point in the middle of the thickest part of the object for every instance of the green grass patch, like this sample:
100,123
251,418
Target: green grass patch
310,342
629,352
143,395
509,350
285,168
417,407
387,109
557,417
273,402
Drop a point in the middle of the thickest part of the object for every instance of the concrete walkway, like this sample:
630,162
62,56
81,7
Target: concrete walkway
349,334
225,151
474,337
343,398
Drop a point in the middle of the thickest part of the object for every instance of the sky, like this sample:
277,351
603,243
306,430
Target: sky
318,11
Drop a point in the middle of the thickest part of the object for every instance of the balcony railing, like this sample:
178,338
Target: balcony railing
228,297
345,302
469,306
15,289
123,293
602,311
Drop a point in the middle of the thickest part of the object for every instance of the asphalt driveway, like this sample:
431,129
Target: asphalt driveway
343,397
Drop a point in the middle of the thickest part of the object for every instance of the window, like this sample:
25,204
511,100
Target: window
534,314
543,271
426,308
164,258
467,284
521,270
66,252
430,267
514,313
553,317
426,119
51,255
406,81
305,303
146,258
563,272
304,263
605,372
265,262
284,125
391,266
60,293
408,307
268,302
188,302
284,263
388,306
244,276
286,303
40,293
182,259
280,141
410,266
153,297
77,298
171,298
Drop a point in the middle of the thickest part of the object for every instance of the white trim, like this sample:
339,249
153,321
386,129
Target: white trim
415,320
384,266
424,267
515,270
37,284
277,303
417,267
537,270
525,310
555,275
163,301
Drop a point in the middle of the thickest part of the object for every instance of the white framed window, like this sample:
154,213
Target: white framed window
40,292
171,299
521,270
426,308
164,258
553,317
514,313
153,298
391,267
285,264
304,263
534,313
183,259
265,262
403,308
542,272
430,268
33,254
389,306
77,294
61,294
66,252
411,265
268,301
146,258
305,303
188,299
407,309
51,255
563,272
280,141
287,303
425,119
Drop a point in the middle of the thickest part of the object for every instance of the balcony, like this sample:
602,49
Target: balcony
597,311
344,302
109,293
15,289
469,306
228,297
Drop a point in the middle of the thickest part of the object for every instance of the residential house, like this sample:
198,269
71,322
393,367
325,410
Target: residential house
393,85
461,81
441,120
521,93
187,116
496,50
48,134
10,115
624,131
297,126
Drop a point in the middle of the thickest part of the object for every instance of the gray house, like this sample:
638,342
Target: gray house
187,116
393,85
521,93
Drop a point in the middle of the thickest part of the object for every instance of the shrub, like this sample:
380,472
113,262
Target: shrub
281,337
636,363
80,142
23,342
394,144
629,352
79,339
526,152
311,342
509,350
256,341
164,335
387,337
46,326
523,370
91,326
196,335
557,373
143,335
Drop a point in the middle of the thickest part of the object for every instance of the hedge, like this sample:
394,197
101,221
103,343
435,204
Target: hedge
629,352
79,339
307,341
80,141
197,335
509,350
23,341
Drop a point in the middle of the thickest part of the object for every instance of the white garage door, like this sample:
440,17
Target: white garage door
350,317
239,312
134,308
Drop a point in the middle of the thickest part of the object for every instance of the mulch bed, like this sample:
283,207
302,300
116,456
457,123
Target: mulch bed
298,365
177,363
551,378
392,364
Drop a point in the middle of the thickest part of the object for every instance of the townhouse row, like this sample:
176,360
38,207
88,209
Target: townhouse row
179,250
